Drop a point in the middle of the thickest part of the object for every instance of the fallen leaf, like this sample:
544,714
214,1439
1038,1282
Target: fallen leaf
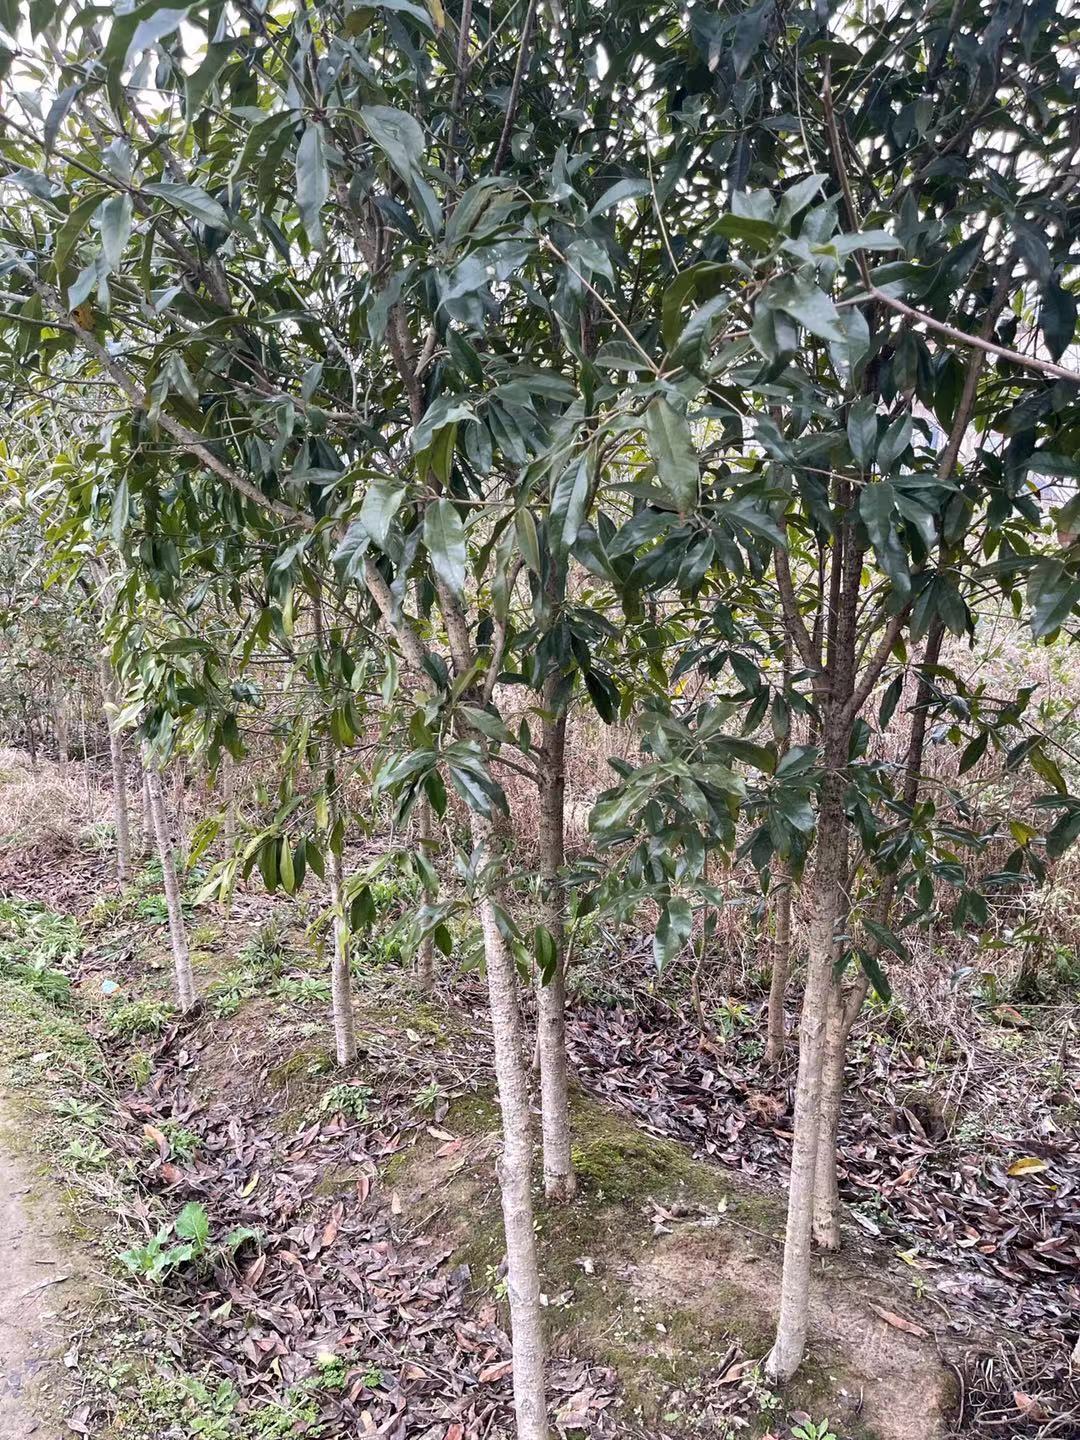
897,1321
1029,1407
1029,1165
496,1372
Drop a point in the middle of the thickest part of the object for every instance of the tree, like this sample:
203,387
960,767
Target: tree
487,302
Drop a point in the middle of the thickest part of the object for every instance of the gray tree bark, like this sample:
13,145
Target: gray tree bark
780,968
185,980
340,971
425,959
551,997
119,777
515,1164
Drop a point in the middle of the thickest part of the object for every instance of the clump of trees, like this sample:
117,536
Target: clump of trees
700,368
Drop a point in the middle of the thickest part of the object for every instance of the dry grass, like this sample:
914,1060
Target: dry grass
41,806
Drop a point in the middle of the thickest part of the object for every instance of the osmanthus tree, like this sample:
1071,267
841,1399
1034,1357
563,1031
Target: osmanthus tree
479,297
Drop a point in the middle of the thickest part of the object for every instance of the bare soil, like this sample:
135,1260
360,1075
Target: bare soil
39,1285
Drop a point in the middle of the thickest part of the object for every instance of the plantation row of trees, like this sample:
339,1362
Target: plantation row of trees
434,373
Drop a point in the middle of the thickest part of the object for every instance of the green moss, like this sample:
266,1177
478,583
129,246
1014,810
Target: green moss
472,1115
303,1066
622,1167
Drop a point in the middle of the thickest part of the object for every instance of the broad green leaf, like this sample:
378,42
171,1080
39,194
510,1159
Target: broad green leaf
617,193
674,454
312,183
862,429
193,201
381,504
444,537
398,135
1052,595
808,305
877,508
115,221
672,930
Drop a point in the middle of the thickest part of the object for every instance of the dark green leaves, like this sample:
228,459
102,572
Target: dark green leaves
444,537
312,183
862,430
672,930
808,305
1053,595
193,201
877,509
672,448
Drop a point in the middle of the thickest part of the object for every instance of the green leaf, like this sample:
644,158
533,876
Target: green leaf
796,199
381,504
114,219
1052,595
444,537
193,201
877,509
672,930
875,975
804,302
1063,834
1057,318
200,80
312,183
193,1224
398,135
674,454
68,234
568,502
973,752
617,193
862,429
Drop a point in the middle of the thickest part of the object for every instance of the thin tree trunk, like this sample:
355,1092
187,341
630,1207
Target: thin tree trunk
515,1165
28,731
824,897
780,967
88,778
228,796
843,1010
147,819
60,726
340,975
119,778
425,959
551,997
185,980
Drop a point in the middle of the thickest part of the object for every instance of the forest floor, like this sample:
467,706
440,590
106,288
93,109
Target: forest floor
271,1247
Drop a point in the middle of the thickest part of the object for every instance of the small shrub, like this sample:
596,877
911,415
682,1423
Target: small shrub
138,1017
182,1241
346,1099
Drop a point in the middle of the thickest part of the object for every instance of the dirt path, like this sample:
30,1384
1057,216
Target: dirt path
37,1283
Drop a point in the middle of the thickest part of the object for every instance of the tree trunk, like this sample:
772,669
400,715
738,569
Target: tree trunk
824,903
228,798
780,967
340,975
88,778
185,981
515,1165
425,959
551,997
60,726
147,819
28,731
843,1013
119,779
